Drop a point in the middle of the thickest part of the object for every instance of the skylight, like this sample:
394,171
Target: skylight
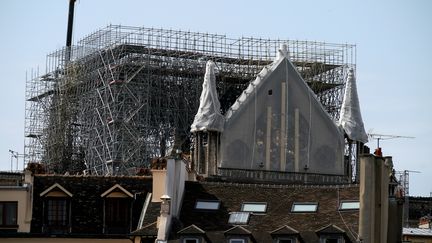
207,205
308,207
239,218
349,205
256,207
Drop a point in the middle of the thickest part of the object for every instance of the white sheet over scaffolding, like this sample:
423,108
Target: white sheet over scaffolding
208,117
278,124
350,118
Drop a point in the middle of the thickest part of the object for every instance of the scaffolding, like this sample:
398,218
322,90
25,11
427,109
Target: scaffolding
129,94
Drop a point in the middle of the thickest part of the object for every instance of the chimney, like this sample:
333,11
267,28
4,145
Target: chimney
159,174
374,198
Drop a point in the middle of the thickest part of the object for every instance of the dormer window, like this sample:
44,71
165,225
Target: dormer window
117,210
331,234
192,234
190,240
238,234
285,240
332,239
57,207
286,234
237,241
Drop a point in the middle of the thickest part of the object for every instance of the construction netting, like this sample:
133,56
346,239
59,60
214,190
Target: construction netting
278,124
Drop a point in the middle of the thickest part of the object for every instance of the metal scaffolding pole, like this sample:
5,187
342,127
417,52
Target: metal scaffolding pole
129,94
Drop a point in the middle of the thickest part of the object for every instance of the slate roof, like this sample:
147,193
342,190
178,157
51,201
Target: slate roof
150,221
86,202
237,230
284,230
279,199
147,230
330,229
192,229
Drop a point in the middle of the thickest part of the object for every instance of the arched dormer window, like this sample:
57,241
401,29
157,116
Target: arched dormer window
56,210
117,210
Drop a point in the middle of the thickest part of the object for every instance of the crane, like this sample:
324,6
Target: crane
404,182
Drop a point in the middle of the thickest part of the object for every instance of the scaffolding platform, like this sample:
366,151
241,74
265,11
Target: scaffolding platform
134,92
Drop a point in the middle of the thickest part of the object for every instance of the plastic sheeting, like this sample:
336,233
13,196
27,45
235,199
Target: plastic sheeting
208,117
278,124
350,118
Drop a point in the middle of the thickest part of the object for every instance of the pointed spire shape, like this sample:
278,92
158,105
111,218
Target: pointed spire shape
282,52
350,118
208,117
278,118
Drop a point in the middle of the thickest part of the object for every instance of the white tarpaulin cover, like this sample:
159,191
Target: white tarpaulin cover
278,124
208,117
350,117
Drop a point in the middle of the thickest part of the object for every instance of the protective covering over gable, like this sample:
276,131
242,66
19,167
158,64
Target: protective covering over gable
350,118
208,116
278,124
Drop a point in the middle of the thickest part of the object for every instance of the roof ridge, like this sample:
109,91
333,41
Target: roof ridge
268,185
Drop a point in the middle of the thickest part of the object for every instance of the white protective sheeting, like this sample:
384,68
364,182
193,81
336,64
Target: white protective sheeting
350,117
208,117
278,124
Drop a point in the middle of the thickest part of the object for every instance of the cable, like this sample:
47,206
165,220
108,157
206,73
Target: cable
343,221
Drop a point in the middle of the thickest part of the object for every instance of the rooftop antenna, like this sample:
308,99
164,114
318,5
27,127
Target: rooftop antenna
16,155
379,137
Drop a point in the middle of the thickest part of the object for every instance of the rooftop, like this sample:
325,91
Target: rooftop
279,200
417,231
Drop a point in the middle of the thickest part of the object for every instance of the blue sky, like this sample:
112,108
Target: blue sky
393,38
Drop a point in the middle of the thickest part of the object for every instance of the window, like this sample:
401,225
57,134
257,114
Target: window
239,218
304,207
349,205
237,241
254,207
331,239
190,240
8,214
207,205
117,215
57,213
284,240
